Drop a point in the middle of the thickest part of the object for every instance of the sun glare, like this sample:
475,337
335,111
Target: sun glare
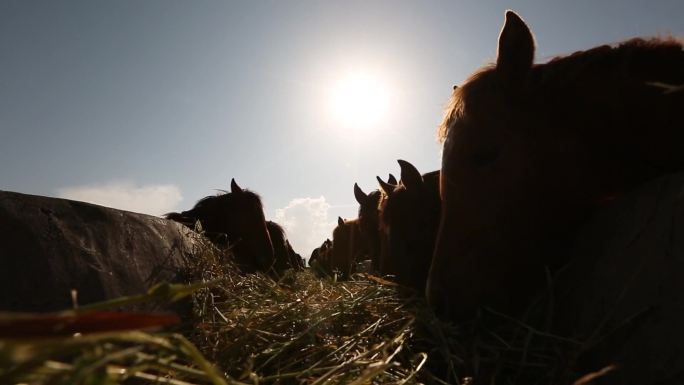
359,101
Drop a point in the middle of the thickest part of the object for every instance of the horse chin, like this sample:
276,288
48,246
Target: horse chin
489,269
446,290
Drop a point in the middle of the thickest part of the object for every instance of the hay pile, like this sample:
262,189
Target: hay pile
302,329
306,329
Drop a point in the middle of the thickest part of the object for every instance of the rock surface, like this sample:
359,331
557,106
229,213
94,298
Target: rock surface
49,246
624,292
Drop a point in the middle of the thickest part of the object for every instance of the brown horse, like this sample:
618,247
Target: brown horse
384,265
346,247
285,256
408,220
369,224
320,258
235,220
530,150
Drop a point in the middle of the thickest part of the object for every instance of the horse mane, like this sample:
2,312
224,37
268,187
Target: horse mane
226,194
274,227
646,60
456,106
207,201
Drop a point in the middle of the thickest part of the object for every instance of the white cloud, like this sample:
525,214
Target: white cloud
306,222
148,199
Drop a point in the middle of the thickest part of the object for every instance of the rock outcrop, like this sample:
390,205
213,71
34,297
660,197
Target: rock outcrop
624,291
50,246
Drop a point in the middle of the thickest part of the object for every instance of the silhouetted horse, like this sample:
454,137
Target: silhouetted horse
530,150
369,224
409,217
346,247
235,220
386,188
320,258
285,256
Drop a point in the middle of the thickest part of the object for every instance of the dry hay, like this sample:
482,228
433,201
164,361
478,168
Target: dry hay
301,329
305,329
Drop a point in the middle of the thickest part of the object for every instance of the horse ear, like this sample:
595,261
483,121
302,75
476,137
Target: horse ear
340,221
360,196
385,187
516,48
410,176
234,188
392,180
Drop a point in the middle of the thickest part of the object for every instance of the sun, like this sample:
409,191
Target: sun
359,101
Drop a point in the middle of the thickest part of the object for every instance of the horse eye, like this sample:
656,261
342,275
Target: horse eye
484,157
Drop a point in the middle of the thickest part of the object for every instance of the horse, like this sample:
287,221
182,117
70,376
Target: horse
386,188
320,258
531,150
409,216
285,256
369,224
346,247
234,220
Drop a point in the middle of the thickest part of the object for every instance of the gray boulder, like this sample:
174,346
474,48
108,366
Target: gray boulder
623,294
49,246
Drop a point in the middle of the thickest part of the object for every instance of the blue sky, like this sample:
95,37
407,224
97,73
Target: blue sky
151,105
